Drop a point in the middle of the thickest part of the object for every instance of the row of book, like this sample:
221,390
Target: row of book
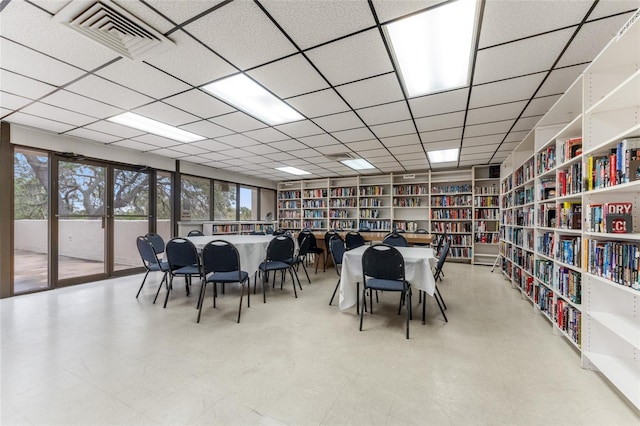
613,218
547,215
486,190
287,195
343,224
451,189
570,215
343,192
525,217
408,225
569,249
524,259
451,200
369,213
346,202
315,193
523,238
486,237
376,225
339,214
314,214
410,190
486,225
289,205
370,202
486,201
524,173
570,284
621,165
290,214
460,252
407,202
523,196
314,204
371,190
486,214
568,319
450,227
451,214
614,260
571,148
569,180
546,159
460,240
546,244
544,271
313,224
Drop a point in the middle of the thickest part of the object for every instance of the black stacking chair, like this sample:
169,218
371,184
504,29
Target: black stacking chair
184,261
383,269
353,239
437,274
150,261
195,233
158,243
337,249
421,231
279,255
400,231
221,264
301,258
313,247
327,238
278,232
396,240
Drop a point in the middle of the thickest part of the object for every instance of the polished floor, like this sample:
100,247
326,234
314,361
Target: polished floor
93,355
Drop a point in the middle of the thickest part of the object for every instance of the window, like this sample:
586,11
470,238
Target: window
267,204
224,197
195,202
163,205
248,203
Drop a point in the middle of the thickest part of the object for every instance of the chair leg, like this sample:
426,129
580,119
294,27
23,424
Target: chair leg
408,308
371,301
169,287
334,292
241,296
164,280
438,291
424,303
364,303
201,299
248,291
326,259
293,281
306,273
141,285
357,297
297,278
440,306
317,260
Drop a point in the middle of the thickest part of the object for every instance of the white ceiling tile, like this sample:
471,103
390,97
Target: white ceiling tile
268,134
365,145
312,23
508,146
454,134
195,159
238,162
515,89
488,128
262,149
483,140
115,129
433,146
374,153
241,33
108,92
27,87
396,111
10,101
516,136
526,123
74,102
165,152
32,64
206,128
438,103
131,144
143,78
30,26
52,6
405,157
211,145
156,141
333,149
4,111
288,145
388,10
299,129
353,135
215,156
166,114
93,135
509,20
394,129
410,139
606,8
442,121
474,157
415,165
188,148
237,140
484,149
352,58
318,103
540,105
307,153
372,91
289,76
560,80
38,122
238,121
255,160
337,122
495,112
189,51
523,57
318,140
58,114
199,103
407,149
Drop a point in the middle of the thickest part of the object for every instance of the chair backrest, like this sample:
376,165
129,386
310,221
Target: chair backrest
337,249
278,232
195,233
220,256
383,261
257,233
396,240
147,253
327,237
157,242
441,242
443,256
181,252
421,231
353,239
312,238
400,231
304,246
280,248
269,230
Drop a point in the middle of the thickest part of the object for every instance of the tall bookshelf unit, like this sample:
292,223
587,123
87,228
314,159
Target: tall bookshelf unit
486,215
581,277
315,204
343,203
290,205
411,202
452,210
375,202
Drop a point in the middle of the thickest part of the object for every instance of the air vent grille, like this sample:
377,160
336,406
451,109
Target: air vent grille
113,27
340,156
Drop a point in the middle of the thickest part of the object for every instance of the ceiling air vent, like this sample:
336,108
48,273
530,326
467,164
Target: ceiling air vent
340,156
113,27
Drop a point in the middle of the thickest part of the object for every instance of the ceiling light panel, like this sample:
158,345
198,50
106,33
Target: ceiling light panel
157,128
443,156
293,171
356,57
247,95
242,34
433,49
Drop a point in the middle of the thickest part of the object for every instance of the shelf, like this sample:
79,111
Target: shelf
566,335
623,187
610,236
624,327
569,231
619,98
566,265
613,284
623,373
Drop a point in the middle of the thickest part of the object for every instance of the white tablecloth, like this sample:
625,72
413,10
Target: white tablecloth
417,268
251,248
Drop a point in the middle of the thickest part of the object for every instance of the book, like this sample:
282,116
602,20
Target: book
618,218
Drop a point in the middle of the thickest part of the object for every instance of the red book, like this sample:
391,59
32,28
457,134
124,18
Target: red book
613,177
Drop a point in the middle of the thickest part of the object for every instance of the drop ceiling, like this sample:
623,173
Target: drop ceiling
327,59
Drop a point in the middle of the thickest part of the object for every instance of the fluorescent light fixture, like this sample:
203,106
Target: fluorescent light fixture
443,155
292,170
433,49
358,164
145,124
247,95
